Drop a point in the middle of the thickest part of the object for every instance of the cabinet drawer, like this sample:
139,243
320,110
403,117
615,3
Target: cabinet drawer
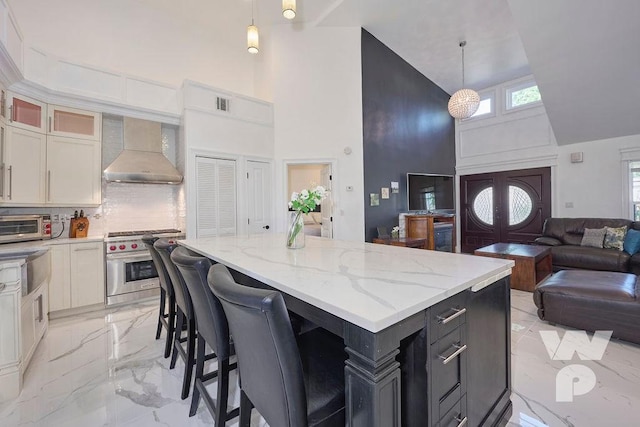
448,371
457,416
447,315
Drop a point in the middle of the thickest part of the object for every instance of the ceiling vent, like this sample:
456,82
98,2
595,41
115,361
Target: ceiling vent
222,104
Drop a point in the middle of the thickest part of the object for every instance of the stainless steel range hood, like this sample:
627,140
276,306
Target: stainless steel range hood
142,160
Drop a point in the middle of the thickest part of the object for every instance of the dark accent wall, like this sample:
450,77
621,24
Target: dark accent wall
406,128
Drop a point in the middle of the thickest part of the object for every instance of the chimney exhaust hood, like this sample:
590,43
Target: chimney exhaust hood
142,160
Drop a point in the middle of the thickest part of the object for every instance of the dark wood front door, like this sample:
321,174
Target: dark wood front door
507,207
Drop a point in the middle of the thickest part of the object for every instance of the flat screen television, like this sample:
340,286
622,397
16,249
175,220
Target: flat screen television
427,192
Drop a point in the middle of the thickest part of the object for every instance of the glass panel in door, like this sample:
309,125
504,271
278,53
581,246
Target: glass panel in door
69,122
27,113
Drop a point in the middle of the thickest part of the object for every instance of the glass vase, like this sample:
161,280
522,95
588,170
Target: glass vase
295,233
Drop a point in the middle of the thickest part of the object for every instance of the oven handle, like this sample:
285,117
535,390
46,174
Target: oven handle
129,257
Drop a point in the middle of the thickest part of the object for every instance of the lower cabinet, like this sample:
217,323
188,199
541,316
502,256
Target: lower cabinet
77,275
34,321
455,371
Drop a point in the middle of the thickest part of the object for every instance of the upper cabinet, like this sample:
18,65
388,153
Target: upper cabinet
69,122
26,113
49,155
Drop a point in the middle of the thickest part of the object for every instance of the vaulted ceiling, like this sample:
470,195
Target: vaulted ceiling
582,53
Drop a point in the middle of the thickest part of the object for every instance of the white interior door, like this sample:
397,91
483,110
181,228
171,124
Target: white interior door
326,207
259,196
215,197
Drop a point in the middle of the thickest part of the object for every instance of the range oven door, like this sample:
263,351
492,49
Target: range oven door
128,273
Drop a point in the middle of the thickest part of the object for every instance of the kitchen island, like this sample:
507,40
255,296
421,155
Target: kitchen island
398,311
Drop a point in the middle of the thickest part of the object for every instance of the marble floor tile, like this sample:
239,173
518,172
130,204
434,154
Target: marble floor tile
105,369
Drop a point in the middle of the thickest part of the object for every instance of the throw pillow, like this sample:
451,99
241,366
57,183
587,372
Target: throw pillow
632,242
614,237
593,237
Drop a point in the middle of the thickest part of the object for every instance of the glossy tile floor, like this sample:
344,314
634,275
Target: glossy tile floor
104,369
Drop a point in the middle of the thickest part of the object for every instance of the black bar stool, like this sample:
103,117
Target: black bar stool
213,330
184,315
166,320
290,384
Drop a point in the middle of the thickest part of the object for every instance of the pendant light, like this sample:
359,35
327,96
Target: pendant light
465,102
253,38
289,9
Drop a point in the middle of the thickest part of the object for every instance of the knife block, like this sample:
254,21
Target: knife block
79,227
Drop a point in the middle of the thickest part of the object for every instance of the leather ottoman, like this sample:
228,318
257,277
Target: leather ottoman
592,300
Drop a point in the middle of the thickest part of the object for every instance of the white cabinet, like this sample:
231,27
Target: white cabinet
10,320
77,275
60,283
72,176
50,155
26,113
69,122
87,274
25,165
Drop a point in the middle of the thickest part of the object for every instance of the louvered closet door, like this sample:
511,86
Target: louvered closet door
216,197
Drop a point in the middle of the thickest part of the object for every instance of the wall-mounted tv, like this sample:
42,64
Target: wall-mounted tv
427,192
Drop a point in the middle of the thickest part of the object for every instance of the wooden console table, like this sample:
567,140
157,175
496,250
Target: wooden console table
426,226
533,263
406,242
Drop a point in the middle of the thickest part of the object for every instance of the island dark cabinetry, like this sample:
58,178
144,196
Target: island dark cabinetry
455,371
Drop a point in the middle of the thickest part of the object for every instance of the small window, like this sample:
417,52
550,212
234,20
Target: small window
485,107
634,176
524,94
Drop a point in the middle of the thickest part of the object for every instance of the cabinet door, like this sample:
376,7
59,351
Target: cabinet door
3,169
87,274
25,166
26,113
63,121
9,327
40,315
60,282
27,327
73,171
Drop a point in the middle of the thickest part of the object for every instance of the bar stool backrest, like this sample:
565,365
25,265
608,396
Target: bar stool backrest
268,357
163,275
183,299
210,319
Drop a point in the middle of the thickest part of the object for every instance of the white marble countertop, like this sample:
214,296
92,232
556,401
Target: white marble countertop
372,286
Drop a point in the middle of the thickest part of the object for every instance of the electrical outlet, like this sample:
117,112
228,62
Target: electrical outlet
55,218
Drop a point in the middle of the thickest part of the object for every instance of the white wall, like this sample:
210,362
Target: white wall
524,139
316,88
160,40
304,177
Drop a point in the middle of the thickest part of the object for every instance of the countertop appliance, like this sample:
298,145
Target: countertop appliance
131,273
19,228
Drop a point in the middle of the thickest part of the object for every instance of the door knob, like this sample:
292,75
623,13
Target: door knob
266,227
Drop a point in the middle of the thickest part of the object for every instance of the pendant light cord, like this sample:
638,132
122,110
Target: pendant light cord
462,45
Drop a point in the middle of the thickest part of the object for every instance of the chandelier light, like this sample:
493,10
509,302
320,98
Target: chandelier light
465,102
253,38
289,9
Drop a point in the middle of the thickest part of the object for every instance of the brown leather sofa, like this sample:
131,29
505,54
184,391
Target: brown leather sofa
592,300
564,235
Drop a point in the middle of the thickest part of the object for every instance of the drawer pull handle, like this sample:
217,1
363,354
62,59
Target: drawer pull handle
2,286
458,312
461,422
459,349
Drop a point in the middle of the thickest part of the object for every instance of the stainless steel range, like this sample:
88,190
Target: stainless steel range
131,273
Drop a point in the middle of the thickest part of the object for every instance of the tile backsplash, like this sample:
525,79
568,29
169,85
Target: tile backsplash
125,206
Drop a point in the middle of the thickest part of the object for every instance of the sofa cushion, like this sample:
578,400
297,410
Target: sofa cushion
584,257
569,230
632,242
599,285
593,237
614,237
